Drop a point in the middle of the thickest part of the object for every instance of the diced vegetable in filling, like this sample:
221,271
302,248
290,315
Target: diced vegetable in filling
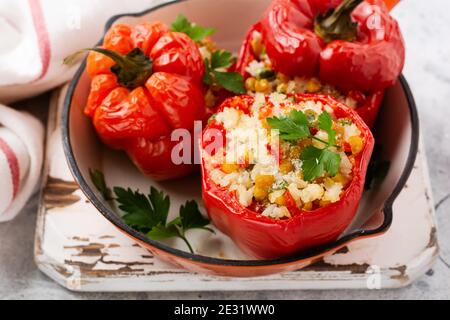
207,47
284,156
264,79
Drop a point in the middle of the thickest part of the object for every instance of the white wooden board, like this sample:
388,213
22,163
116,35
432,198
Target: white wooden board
82,251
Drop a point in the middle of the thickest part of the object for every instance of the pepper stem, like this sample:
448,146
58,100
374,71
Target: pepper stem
132,70
337,24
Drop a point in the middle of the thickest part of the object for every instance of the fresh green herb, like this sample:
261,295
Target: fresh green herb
297,126
345,122
98,179
231,81
267,74
148,213
280,186
212,118
292,128
315,161
221,59
161,232
195,32
143,212
191,217
326,124
214,74
377,170
318,161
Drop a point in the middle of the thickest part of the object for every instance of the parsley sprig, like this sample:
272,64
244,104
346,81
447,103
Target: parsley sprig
195,32
318,161
297,126
148,214
214,74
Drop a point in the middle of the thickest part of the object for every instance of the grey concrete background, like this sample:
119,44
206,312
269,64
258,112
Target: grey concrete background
425,26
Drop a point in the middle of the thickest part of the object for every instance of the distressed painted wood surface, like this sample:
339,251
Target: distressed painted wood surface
82,251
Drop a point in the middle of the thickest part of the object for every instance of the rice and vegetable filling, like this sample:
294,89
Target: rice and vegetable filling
283,156
264,79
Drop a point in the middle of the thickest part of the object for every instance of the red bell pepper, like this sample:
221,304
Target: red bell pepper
267,238
357,47
146,82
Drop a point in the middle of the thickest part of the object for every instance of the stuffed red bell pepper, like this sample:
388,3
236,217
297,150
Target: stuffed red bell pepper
148,80
351,49
290,173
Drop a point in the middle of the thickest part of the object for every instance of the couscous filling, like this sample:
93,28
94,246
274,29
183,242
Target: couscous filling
282,156
264,79
206,48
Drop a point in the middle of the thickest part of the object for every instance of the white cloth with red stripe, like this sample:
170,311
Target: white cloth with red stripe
36,35
21,144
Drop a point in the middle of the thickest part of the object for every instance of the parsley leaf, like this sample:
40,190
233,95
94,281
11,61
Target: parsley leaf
191,217
317,161
221,59
148,213
140,212
207,77
331,162
325,121
98,179
299,118
231,81
297,127
195,32
161,232
292,128
214,74
345,122
161,204
181,23
326,124
212,118
267,74
312,166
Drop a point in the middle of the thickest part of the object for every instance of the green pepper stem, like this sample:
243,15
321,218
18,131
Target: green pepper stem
341,12
117,57
132,70
337,24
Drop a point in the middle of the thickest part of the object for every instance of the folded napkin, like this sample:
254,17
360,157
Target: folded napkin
21,153
36,36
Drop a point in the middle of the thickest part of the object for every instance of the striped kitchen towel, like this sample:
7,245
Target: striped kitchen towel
36,36
21,154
